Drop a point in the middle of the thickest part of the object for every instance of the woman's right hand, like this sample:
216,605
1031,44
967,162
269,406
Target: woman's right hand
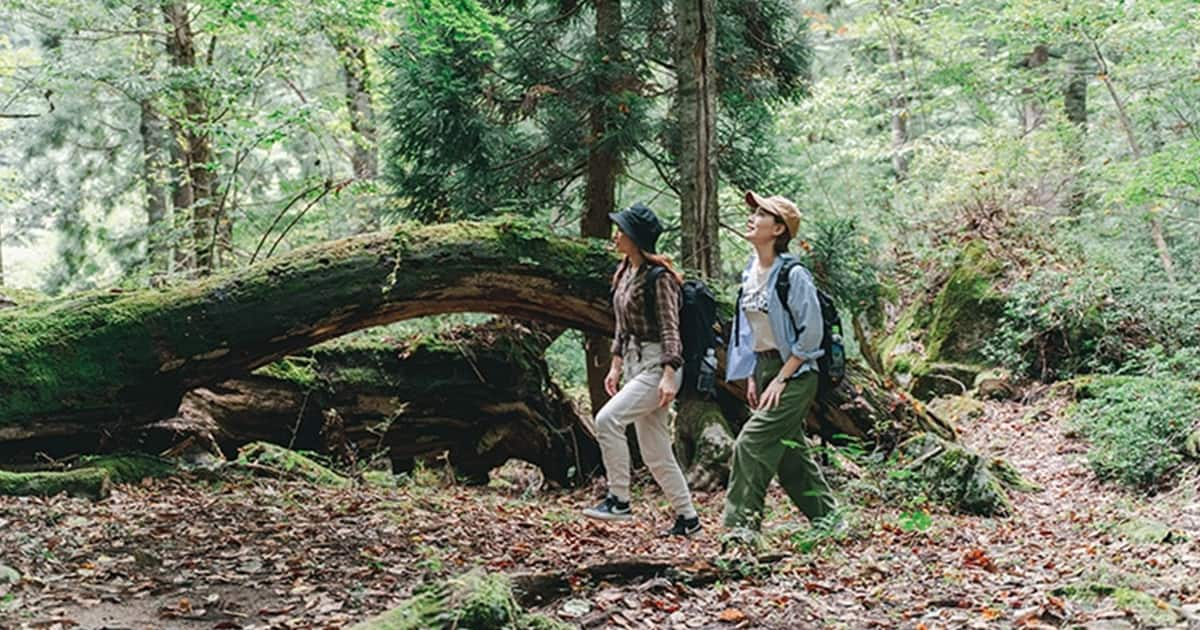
612,380
751,393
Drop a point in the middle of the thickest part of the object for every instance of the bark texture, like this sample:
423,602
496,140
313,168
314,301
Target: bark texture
696,105
482,395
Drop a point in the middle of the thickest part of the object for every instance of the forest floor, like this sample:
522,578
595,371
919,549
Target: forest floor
180,553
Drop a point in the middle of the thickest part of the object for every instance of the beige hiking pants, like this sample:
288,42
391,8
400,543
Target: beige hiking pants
637,403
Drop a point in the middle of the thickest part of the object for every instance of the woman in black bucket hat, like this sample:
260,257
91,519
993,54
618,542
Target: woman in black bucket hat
647,355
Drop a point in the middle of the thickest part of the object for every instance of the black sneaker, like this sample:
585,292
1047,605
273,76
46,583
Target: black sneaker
610,510
684,526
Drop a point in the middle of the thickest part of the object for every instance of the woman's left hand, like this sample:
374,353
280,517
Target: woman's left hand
769,398
667,387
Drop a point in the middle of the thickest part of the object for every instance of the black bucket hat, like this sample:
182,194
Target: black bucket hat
639,223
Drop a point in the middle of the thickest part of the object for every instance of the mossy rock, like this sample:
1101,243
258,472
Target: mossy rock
89,483
131,467
956,409
1147,610
1150,532
943,379
953,475
951,325
473,601
287,463
967,309
994,384
1191,446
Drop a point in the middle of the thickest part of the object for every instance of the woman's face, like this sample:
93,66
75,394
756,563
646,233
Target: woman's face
763,227
623,244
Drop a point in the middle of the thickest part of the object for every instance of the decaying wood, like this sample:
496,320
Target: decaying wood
539,589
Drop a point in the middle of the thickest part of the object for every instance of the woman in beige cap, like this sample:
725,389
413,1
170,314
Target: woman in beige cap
775,344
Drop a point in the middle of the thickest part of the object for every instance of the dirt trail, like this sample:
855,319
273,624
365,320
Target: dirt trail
271,554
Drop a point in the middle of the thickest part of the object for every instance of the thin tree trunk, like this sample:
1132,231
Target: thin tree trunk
363,155
1156,231
362,114
153,131
195,190
1075,106
696,106
1032,112
603,164
1,251
1075,94
899,107
154,163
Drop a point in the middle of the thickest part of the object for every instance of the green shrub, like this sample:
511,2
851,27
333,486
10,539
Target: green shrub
1137,425
1058,324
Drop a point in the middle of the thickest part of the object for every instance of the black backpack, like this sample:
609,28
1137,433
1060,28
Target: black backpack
831,366
697,323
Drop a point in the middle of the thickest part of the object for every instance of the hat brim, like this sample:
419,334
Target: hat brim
622,221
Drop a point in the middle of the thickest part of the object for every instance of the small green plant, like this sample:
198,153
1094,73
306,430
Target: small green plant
827,528
915,521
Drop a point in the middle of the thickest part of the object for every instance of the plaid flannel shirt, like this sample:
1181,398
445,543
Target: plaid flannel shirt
629,305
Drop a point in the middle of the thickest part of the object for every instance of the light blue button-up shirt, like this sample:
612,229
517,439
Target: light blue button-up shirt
803,341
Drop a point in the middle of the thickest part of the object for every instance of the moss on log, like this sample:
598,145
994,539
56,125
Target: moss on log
131,467
90,483
473,601
77,369
119,357
278,461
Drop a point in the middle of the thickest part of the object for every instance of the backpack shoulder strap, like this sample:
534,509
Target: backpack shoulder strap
650,293
783,285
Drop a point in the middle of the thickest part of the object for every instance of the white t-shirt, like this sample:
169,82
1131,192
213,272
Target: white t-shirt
755,295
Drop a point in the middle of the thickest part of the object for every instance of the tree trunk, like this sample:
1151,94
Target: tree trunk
1075,93
1032,112
1,251
899,107
1078,68
603,164
1156,231
362,116
695,104
194,192
155,152
363,155
121,357
154,163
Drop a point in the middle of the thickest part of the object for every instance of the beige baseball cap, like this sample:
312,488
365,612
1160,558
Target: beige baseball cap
780,206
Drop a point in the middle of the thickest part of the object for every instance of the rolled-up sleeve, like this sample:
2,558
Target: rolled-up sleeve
806,310
668,300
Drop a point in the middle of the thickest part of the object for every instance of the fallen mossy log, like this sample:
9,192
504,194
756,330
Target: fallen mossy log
276,461
89,483
473,601
115,359
481,393
90,477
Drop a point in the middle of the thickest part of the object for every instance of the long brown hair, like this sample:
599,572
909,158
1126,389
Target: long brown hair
654,259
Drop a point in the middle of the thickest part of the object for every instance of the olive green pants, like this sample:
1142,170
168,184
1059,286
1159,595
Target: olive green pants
772,443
